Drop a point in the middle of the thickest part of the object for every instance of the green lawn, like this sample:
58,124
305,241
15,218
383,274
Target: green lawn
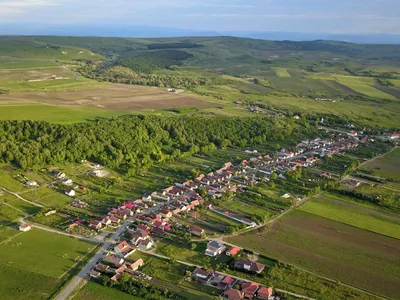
55,114
44,253
351,214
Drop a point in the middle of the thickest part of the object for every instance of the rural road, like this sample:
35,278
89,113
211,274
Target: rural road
77,280
224,274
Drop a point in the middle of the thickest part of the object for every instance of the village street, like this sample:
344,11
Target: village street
77,280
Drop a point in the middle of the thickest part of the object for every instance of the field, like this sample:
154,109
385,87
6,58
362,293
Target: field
364,86
21,284
74,106
386,166
44,253
354,215
281,72
95,291
333,249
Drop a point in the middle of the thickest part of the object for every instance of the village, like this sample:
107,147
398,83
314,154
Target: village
153,217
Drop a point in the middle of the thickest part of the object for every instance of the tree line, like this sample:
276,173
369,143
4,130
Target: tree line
132,144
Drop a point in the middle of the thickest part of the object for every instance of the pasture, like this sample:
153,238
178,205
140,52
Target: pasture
353,215
282,72
44,253
331,249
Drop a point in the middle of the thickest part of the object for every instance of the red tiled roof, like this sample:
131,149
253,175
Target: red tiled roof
233,251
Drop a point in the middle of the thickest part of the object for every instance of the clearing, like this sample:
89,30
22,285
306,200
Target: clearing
281,72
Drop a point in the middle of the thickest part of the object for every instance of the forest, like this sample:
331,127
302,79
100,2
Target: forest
133,144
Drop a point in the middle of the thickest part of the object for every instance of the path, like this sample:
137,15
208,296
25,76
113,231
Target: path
77,280
222,273
19,197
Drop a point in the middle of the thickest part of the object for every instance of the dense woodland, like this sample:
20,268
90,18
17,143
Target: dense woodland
133,144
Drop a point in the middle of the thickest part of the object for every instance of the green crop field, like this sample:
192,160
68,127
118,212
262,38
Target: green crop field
332,249
12,63
386,166
363,85
22,284
55,114
44,253
354,215
281,72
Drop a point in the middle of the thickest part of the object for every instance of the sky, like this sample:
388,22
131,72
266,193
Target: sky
331,16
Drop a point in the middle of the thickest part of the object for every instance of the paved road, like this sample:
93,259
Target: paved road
222,273
74,283
23,199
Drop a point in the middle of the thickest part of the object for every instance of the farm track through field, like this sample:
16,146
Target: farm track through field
23,199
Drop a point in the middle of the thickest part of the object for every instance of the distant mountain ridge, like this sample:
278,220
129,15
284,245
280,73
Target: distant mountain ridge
122,30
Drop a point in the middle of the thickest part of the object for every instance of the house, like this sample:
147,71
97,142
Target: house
326,175
106,221
116,277
195,230
95,224
145,244
67,182
165,213
101,267
214,248
146,197
233,294
114,219
60,175
25,227
70,193
233,251
121,269
264,293
50,212
138,236
226,283
143,227
250,266
94,274
123,249
31,183
83,188
136,265
113,260
249,289
203,275
195,214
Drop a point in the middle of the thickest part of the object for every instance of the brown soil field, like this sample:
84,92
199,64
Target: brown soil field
351,255
111,97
